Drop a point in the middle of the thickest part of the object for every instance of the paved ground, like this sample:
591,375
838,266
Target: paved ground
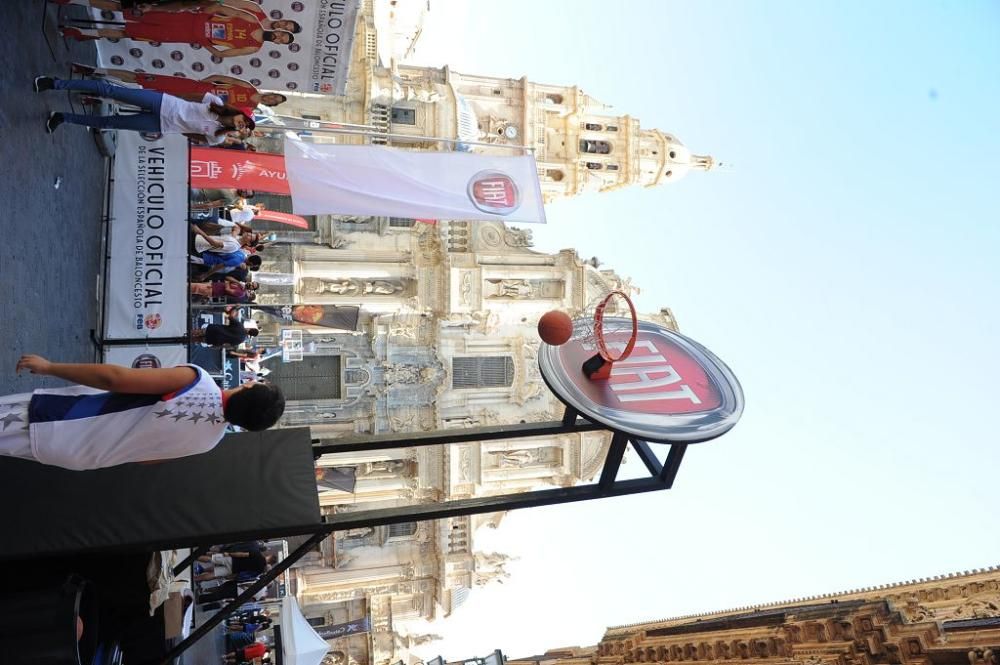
50,254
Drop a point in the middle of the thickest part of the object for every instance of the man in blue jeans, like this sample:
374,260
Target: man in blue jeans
207,121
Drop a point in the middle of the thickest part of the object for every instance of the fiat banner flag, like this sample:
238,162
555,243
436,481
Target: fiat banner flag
219,168
380,181
146,288
194,44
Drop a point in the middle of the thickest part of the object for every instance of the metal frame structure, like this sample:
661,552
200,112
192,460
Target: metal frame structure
661,477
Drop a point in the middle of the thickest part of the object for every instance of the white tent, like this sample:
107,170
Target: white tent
300,644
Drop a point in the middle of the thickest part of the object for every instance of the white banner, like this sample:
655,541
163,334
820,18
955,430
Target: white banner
379,181
317,61
146,294
145,356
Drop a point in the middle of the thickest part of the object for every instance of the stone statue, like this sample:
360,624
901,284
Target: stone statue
318,286
513,288
383,287
518,237
516,459
395,467
490,567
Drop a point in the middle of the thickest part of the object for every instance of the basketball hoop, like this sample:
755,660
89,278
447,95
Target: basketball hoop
606,334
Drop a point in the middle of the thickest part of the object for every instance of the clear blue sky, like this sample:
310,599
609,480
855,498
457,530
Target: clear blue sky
846,268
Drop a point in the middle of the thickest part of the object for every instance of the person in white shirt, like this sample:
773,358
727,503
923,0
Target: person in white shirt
120,415
208,121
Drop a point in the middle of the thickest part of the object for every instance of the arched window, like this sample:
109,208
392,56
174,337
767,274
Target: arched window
553,97
595,147
593,127
554,174
612,167
594,166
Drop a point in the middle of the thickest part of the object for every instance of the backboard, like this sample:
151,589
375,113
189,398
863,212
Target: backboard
669,389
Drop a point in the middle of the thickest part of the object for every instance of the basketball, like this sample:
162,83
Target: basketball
555,327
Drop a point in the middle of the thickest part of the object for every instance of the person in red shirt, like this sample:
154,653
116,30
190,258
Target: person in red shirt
247,653
222,31
185,5
235,92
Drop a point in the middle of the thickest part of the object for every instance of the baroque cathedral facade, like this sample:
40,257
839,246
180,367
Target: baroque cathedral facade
445,336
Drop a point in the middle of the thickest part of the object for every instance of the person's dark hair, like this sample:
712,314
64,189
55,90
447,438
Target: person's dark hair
252,332
254,261
251,125
277,94
269,35
229,113
256,407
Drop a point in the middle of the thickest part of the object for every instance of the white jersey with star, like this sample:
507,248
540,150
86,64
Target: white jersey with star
81,428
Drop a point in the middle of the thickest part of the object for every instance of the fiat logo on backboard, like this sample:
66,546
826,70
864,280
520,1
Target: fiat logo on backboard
494,192
669,389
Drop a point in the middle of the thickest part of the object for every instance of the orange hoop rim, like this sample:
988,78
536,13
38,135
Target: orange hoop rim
602,345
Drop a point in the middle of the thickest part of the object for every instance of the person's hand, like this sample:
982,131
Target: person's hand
34,364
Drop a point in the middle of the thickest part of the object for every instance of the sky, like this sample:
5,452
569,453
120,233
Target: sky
845,267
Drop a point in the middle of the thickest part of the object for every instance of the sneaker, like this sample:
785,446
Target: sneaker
43,83
55,119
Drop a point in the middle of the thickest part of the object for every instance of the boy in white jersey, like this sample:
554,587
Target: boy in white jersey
117,415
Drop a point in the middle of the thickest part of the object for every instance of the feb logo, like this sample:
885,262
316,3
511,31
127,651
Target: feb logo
153,321
146,361
494,192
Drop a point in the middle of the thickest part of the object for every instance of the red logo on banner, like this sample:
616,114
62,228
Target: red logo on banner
494,192
153,321
219,168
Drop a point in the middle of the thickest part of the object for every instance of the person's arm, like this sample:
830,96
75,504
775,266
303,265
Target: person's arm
113,378
247,6
214,51
177,6
219,79
233,52
208,205
214,269
214,241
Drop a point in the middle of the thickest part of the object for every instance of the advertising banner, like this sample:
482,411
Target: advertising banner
146,292
146,356
379,181
316,61
333,631
221,168
342,317
282,218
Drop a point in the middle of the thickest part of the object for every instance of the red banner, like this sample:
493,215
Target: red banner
217,168
282,218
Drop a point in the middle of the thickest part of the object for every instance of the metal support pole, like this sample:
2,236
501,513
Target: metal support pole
607,486
244,597
277,129
465,435
190,559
